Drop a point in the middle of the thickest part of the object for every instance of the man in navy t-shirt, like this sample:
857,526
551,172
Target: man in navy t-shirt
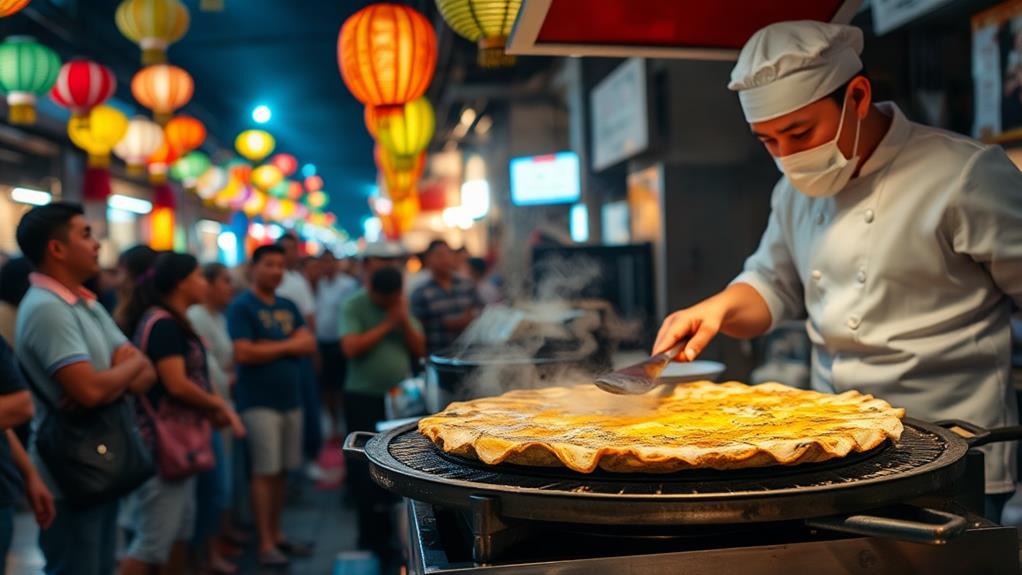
270,339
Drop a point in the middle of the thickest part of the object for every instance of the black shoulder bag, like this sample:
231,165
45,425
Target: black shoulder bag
94,455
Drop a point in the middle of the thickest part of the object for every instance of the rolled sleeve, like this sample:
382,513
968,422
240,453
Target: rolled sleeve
771,269
987,219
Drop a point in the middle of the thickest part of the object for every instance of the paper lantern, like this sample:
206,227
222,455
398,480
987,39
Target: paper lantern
240,170
188,169
314,183
142,139
161,219
230,193
255,204
318,199
10,7
399,179
406,133
211,182
387,54
98,133
401,217
295,191
280,190
287,164
153,25
160,162
82,85
287,209
485,22
163,89
27,69
266,176
254,144
184,133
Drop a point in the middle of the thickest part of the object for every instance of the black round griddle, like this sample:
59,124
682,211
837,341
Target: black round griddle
927,458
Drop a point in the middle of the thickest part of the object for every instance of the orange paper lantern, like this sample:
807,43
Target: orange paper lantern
9,7
184,133
160,162
162,88
387,55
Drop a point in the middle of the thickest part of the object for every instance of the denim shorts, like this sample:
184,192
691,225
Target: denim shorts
163,513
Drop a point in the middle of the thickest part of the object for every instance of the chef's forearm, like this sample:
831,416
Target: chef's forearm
745,312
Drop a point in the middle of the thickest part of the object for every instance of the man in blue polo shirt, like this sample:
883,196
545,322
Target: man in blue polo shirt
270,341
74,353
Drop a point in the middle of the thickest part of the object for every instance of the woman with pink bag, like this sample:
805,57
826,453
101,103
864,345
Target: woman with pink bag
176,417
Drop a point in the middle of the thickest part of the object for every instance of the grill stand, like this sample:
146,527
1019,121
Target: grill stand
491,535
985,548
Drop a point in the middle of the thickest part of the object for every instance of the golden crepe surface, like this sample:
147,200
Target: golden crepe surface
695,425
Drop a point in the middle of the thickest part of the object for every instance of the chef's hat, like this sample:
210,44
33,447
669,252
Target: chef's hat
788,65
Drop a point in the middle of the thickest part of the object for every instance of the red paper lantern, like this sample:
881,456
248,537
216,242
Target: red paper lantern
387,55
295,191
313,184
184,134
160,162
82,85
286,163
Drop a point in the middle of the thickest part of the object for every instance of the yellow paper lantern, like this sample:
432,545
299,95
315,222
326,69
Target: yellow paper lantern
254,144
318,199
266,176
153,25
407,133
161,228
255,204
143,138
486,22
98,133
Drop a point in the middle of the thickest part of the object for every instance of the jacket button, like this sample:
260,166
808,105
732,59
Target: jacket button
869,216
817,274
861,276
854,322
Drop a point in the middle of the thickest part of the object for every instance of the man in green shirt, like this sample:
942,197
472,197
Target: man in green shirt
379,337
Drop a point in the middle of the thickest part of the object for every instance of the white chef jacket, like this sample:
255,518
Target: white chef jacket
907,278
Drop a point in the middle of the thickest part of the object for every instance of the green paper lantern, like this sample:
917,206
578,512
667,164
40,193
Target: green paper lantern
280,190
188,169
27,69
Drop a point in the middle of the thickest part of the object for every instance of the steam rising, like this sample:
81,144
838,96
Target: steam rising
553,339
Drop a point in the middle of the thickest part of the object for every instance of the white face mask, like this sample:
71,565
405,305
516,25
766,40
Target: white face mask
823,171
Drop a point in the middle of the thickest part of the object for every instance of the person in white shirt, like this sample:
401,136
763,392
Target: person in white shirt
296,288
901,243
333,290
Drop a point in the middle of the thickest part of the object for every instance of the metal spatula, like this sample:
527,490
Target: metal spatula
641,377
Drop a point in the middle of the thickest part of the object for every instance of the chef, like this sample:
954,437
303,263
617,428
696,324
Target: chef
901,244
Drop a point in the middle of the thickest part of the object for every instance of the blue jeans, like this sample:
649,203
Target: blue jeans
212,493
81,541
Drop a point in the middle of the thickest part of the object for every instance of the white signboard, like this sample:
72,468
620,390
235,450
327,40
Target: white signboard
618,114
889,14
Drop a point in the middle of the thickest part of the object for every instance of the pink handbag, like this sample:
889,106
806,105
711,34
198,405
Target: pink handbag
182,434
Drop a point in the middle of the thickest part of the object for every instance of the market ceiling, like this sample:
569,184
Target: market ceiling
275,53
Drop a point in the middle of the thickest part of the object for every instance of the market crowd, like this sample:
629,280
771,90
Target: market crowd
157,415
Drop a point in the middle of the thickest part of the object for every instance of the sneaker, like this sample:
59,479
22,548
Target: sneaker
295,548
273,558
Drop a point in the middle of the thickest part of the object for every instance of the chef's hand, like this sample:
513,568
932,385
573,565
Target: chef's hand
696,326
738,311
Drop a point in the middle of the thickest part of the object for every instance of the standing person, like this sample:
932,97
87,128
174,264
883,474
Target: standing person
74,353
131,265
379,335
165,506
901,243
270,341
214,530
17,474
334,289
447,303
478,273
13,287
296,287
